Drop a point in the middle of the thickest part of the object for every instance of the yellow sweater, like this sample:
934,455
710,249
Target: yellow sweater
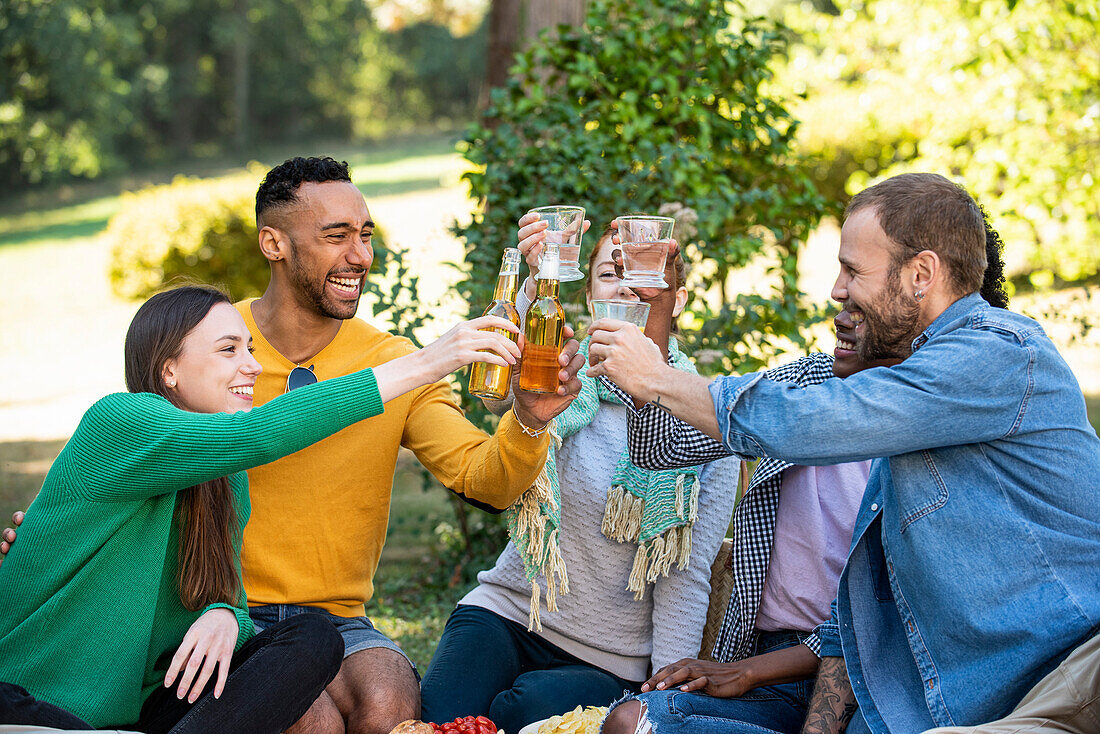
319,516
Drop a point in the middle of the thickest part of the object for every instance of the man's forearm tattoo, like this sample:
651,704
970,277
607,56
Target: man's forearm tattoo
833,704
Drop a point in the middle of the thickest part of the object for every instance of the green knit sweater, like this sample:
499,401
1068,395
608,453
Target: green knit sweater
90,614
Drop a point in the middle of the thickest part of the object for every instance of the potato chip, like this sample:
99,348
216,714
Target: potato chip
580,720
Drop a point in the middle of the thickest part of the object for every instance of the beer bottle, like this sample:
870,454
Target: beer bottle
490,380
543,329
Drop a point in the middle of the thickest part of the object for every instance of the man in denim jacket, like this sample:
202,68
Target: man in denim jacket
975,562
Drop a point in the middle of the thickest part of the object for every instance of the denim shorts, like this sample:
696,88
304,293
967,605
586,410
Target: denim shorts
358,632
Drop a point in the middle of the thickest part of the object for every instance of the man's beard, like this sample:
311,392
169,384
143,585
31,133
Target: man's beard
890,324
313,293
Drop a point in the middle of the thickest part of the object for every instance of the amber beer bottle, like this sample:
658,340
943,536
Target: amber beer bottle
490,380
543,329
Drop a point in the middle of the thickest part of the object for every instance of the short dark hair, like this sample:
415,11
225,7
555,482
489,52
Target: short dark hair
925,211
280,185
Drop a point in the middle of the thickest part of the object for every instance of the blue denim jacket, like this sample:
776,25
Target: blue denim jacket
975,562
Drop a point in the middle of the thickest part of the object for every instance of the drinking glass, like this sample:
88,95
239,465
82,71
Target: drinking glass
645,241
633,312
566,225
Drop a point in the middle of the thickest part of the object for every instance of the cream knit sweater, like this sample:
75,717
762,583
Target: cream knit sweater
598,621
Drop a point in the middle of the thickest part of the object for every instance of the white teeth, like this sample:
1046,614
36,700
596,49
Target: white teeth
345,283
241,390
845,345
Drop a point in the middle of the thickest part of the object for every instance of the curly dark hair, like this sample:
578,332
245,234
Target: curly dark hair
993,279
280,185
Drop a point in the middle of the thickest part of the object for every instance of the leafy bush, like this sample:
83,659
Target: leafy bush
204,230
649,104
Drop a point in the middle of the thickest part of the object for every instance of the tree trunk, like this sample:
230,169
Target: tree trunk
512,23
183,84
241,60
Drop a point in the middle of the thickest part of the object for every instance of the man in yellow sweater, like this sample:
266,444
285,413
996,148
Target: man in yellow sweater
315,231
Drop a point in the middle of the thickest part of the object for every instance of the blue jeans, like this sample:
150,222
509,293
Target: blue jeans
779,709
359,633
488,665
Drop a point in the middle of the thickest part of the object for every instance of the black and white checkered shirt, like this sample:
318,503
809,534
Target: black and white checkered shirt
658,440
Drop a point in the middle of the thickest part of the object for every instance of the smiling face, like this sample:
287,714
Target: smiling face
330,252
846,361
604,283
884,319
215,369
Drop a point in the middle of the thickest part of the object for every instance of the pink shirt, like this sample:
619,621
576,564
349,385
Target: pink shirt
813,531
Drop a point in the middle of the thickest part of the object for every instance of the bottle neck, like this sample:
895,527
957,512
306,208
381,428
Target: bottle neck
507,286
546,288
548,271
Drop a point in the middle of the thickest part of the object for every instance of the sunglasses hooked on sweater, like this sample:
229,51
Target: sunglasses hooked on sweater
300,377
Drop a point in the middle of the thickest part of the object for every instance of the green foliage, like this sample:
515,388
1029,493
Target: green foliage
305,64
88,86
416,74
62,103
205,230
461,552
647,105
1003,96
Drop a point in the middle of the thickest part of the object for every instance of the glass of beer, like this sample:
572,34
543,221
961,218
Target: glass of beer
566,225
645,242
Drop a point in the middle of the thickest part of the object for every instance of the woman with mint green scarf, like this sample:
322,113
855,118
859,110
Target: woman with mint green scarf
607,576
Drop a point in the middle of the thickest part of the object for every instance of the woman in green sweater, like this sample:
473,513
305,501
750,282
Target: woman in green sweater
123,601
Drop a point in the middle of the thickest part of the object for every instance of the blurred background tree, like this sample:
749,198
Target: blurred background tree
1003,94
94,86
513,24
63,100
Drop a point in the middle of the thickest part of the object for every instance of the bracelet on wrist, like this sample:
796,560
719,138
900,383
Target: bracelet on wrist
532,432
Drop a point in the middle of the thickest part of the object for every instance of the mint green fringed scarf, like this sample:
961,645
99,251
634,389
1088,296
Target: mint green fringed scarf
655,509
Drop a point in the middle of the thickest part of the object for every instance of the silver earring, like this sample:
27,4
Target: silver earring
919,295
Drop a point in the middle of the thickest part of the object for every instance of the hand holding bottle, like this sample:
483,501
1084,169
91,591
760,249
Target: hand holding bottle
468,342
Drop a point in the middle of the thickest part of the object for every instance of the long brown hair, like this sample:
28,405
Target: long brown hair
207,513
